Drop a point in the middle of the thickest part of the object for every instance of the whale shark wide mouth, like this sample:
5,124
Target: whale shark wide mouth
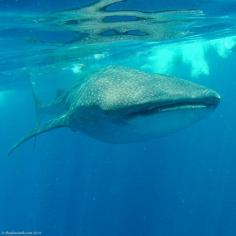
209,102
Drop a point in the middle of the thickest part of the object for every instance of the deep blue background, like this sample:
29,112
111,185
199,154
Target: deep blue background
70,184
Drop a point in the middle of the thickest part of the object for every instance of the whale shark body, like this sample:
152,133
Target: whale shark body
123,105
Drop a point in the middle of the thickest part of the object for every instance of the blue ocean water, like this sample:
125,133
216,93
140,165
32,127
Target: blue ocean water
66,183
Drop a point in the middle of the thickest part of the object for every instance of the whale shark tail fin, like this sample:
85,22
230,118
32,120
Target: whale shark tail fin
59,122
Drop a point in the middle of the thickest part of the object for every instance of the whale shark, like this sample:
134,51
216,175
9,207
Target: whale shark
123,105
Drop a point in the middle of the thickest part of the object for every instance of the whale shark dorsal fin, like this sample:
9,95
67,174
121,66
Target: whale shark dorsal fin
59,122
60,92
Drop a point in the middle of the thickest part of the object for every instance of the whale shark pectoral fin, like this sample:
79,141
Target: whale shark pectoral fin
59,122
60,92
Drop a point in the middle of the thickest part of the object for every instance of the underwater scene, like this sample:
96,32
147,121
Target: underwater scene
118,117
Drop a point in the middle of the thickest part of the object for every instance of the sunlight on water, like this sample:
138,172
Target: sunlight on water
194,56
224,45
77,68
166,58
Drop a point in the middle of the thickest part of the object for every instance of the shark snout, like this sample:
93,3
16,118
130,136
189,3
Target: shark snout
210,98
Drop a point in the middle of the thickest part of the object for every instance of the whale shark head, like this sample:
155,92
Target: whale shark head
122,105
135,105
